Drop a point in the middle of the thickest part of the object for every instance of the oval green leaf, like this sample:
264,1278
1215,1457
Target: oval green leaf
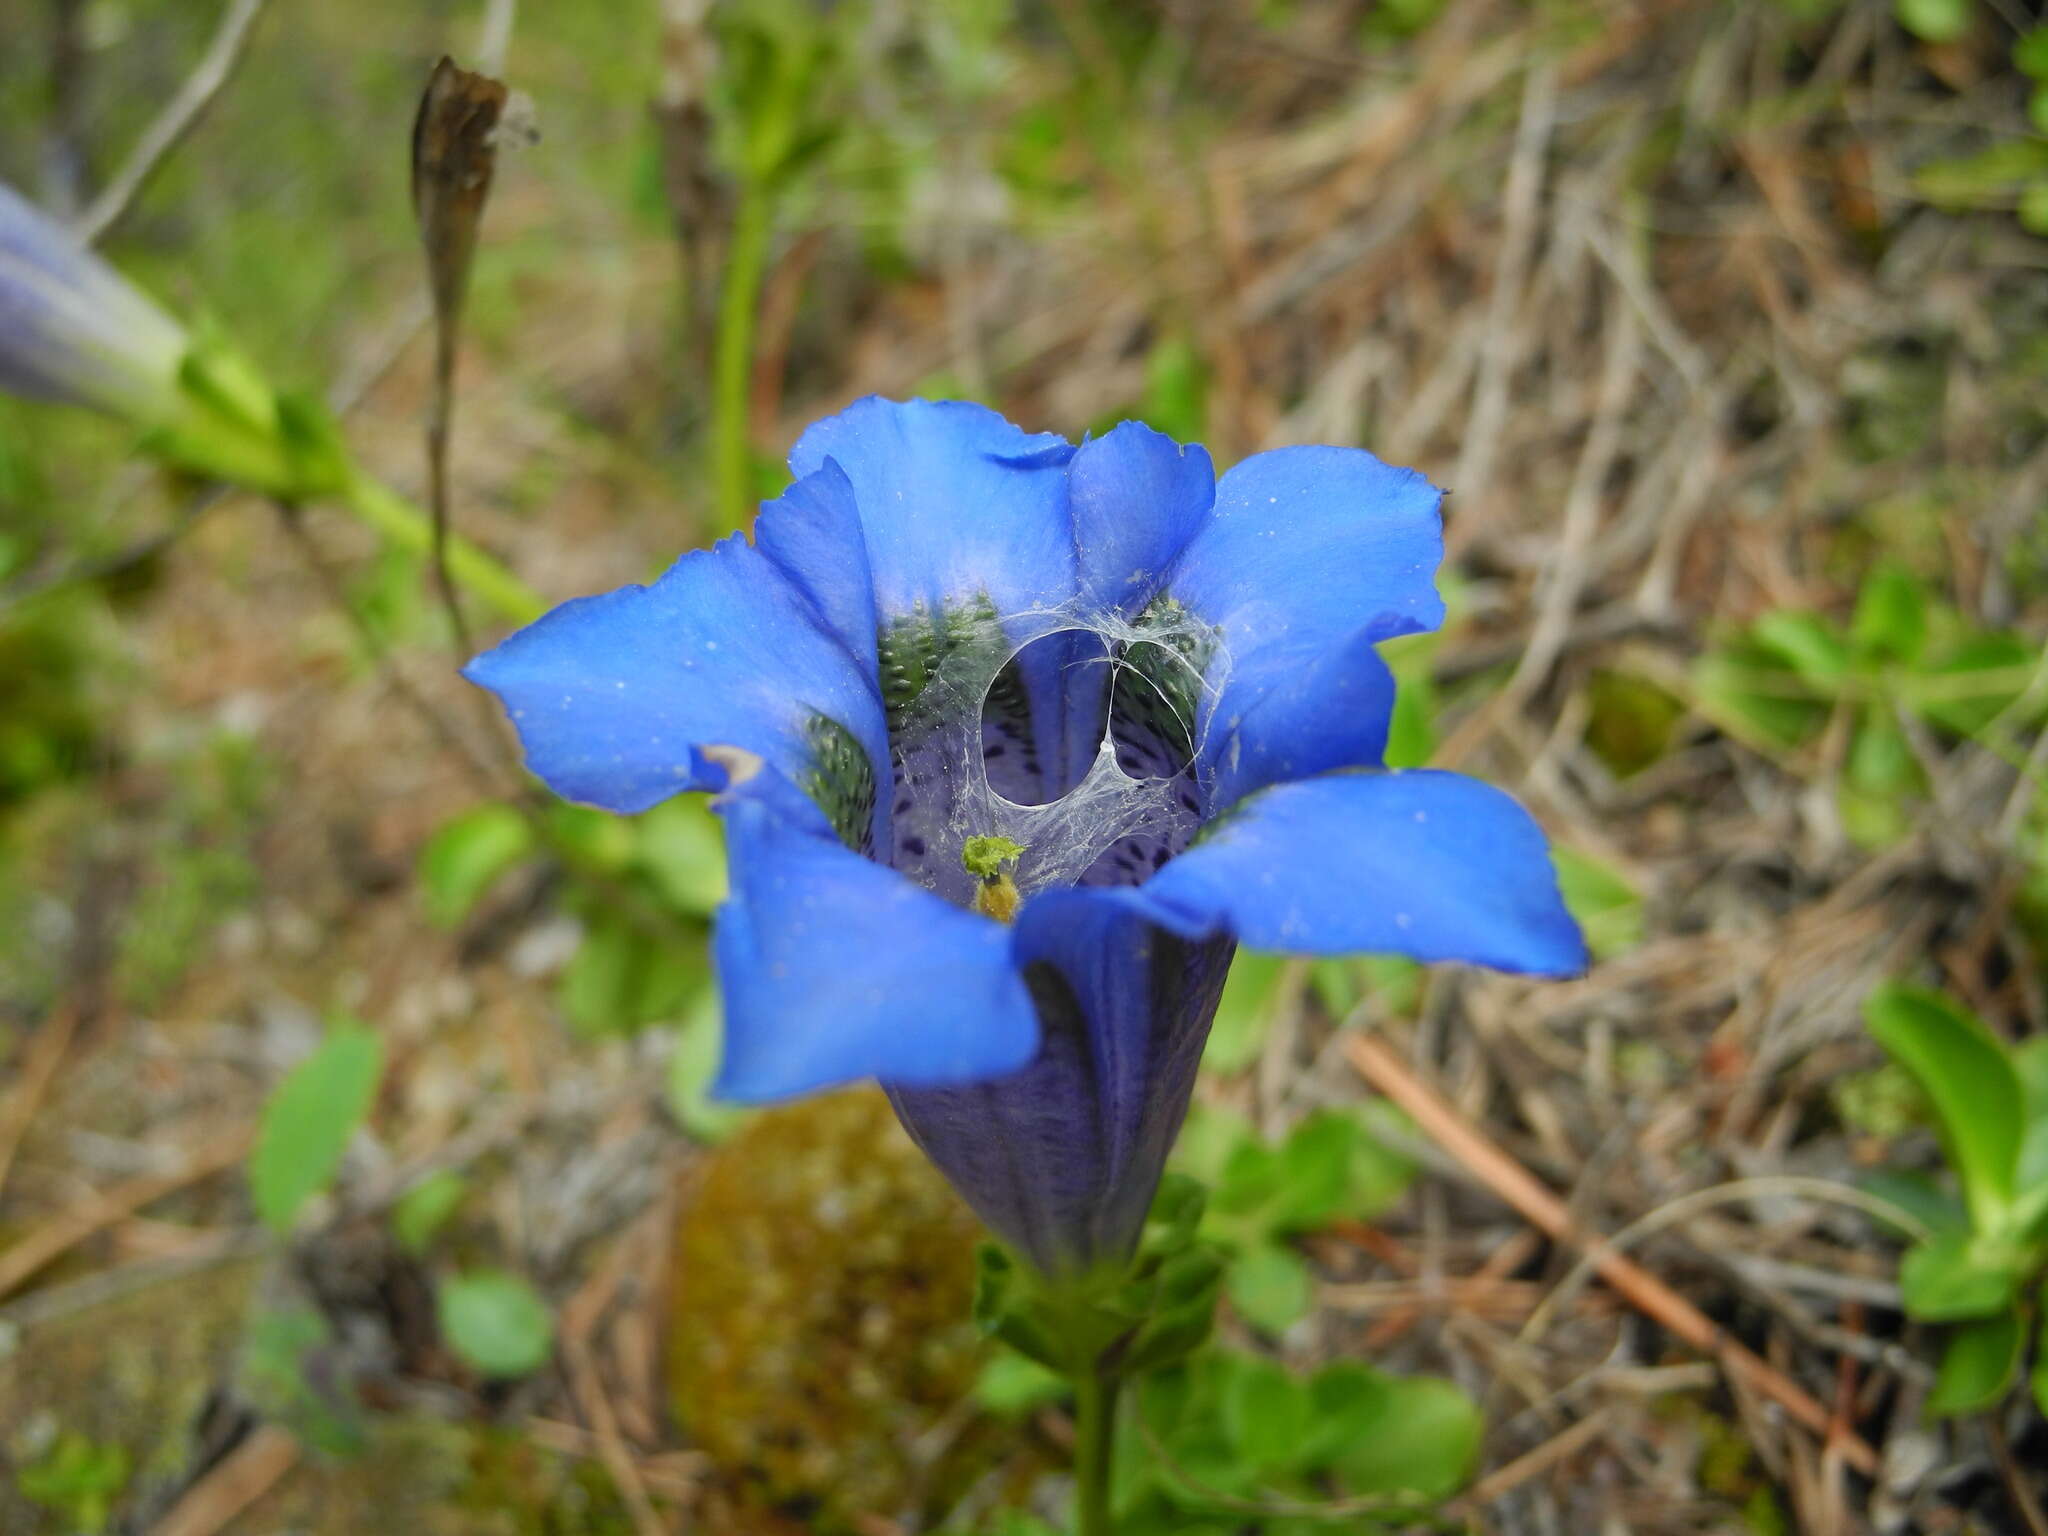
1966,1074
308,1122
1978,1366
496,1323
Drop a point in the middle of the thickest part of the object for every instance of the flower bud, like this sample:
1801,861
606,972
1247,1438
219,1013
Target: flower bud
73,329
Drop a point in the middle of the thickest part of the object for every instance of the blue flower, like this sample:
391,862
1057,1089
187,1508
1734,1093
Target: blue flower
73,329
1145,705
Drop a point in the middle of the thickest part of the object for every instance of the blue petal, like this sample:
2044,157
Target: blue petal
1062,1158
615,696
834,968
1136,498
1284,718
1312,556
955,502
1423,863
813,535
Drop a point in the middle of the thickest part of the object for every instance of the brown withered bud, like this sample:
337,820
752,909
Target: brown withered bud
454,151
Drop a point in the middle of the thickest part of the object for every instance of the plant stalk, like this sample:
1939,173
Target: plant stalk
1095,1398
406,526
739,301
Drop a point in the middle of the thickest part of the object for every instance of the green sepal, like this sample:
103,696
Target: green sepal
1177,1211
1112,1323
229,425
1182,1314
1005,1308
313,448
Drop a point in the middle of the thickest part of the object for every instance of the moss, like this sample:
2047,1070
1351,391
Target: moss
820,1319
130,1375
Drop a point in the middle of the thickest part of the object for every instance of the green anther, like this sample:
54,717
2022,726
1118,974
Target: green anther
987,857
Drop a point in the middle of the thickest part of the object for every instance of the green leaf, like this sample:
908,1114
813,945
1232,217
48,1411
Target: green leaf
2037,108
1011,1385
1251,999
1315,1172
464,858
593,839
1337,984
1985,178
1604,903
2030,54
1955,1276
2039,1379
2030,1062
1974,682
1270,1287
1389,1435
77,1479
1881,761
1411,728
683,854
1176,390
1003,1308
308,1122
274,1376
424,1209
2033,209
1265,1413
1967,1076
1630,721
623,978
693,1067
1380,1175
1977,1368
1210,1139
1176,1213
1805,642
1934,21
1917,1196
496,1323
1246,1192
1753,695
1180,1311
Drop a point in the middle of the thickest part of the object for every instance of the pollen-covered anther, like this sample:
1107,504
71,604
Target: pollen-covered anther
990,860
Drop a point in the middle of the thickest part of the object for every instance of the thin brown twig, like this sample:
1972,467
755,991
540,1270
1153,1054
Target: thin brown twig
612,1450
2015,1477
44,1053
474,764
241,1477
97,1212
1507,1178
1560,1447
178,118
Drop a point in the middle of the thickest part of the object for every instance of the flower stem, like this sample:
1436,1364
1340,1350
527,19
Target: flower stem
406,526
1095,1395
739,298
